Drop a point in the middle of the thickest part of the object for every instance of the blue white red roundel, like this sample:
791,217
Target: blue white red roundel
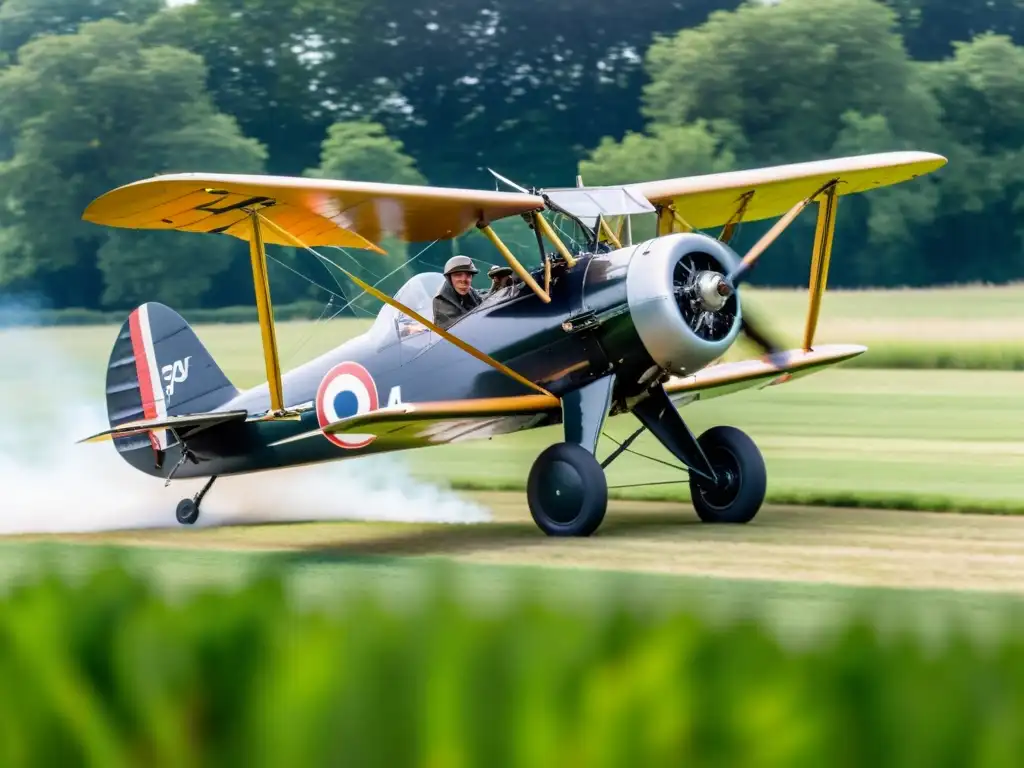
346,390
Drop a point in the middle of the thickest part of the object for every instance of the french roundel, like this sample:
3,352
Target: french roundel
346,390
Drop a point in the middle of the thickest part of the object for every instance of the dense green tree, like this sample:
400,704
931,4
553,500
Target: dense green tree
91,111
931,27
785,75
25,20
521,85
436,93
362,151
796,81
979,230
264,68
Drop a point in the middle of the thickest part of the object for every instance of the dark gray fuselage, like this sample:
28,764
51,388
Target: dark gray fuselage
513,326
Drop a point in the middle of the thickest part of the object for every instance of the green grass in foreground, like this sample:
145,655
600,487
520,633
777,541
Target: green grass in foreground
799,613
105,670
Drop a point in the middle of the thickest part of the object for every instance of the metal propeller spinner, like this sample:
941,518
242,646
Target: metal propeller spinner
708,304
709,300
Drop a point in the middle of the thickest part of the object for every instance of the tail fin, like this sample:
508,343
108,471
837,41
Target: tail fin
158,368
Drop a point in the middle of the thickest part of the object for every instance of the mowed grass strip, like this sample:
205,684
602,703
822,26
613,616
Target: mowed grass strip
942,440
906,439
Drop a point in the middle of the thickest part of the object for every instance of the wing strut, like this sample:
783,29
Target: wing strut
668,217
513,262
823,232
545,229
482,357
769,237
258,256
734,221
609,235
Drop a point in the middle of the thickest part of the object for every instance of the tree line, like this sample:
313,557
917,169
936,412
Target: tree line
98,93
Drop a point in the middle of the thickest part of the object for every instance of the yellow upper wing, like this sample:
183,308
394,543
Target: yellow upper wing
355,214
359,214
712,199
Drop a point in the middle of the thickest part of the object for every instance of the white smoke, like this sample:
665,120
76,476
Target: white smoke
51,484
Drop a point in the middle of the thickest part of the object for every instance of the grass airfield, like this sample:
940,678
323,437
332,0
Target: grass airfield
852,547
859,437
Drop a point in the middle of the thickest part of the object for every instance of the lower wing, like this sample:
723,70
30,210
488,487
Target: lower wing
726,378
414,425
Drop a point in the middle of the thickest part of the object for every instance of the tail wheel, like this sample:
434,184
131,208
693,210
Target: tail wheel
567,491
742,478
187,512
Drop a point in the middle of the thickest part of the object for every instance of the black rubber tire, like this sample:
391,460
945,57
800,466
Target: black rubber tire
187,512
732,452
567,491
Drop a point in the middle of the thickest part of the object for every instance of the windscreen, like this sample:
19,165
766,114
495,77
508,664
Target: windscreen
417,294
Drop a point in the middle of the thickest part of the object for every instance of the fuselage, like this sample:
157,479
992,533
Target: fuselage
585,332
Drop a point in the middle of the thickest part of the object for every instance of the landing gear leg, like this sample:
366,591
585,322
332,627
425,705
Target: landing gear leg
728,479
188,509
567,490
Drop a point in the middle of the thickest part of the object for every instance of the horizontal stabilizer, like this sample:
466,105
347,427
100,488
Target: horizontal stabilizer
185,424
411,425
727,378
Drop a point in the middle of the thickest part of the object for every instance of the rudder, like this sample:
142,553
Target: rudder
159,367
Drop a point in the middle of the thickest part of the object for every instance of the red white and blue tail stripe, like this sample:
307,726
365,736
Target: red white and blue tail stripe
159,369
147,373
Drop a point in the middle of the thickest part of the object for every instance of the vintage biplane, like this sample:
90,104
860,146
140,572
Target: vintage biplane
602,328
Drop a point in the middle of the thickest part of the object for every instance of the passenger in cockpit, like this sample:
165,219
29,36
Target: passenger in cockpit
501,277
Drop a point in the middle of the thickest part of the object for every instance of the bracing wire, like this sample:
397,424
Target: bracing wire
381,280
357,262
331,297
648,485
564,233
309,280
649,458
348,302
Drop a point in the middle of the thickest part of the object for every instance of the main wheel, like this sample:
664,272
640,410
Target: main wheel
567,491
187,512
743,480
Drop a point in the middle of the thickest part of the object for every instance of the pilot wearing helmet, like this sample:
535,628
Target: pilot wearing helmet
457,296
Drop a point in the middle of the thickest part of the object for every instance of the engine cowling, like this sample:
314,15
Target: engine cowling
682,309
